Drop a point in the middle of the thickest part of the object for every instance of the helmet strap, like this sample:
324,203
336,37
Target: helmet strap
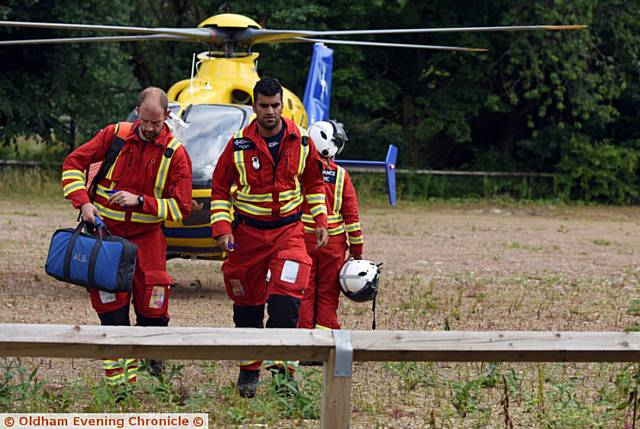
373,310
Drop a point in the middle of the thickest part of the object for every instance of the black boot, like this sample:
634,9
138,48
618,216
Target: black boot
248,383
155,367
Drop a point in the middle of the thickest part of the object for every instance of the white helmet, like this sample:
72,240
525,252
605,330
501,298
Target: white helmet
359,279
329,137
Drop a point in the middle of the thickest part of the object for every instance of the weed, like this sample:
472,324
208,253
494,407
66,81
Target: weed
601,242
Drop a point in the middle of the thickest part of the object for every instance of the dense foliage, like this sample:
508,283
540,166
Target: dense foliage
563,102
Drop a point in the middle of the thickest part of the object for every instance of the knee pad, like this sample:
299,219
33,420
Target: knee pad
119,317
248,316
151,321
283,311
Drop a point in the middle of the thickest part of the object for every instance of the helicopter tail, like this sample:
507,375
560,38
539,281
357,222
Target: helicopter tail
317,93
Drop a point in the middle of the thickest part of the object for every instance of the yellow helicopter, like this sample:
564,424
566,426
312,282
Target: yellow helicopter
216,100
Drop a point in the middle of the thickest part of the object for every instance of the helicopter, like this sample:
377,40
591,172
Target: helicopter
216,100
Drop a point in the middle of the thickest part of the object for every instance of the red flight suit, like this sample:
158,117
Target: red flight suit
267,202
319,307
141,168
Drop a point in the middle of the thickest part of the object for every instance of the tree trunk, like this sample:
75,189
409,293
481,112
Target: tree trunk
409,130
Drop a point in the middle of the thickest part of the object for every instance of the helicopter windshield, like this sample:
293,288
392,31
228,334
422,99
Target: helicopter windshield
208,129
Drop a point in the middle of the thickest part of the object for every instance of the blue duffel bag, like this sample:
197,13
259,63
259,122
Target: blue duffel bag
101,261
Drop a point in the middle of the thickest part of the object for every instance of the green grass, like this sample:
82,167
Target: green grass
442,395
30,183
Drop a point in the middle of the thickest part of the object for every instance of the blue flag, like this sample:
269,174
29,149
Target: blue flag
317,93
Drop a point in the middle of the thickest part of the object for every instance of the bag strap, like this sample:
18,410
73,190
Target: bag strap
67,257
94,255
122,130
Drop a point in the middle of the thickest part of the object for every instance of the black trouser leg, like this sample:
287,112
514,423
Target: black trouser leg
283,311
151,321
119,317
248,316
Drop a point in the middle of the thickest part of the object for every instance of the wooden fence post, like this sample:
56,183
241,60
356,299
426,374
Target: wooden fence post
336,398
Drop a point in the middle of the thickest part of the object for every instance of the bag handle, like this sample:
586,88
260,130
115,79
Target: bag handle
94,251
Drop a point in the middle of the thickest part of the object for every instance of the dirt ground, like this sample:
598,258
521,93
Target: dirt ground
471,266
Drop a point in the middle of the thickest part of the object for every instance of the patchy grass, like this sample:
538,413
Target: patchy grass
463,266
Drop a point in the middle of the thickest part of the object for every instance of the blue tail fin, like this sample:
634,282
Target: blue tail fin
317,93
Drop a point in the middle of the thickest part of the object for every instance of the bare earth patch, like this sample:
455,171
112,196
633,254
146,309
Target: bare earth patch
446,266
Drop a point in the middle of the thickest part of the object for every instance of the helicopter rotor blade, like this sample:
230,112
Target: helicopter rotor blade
195,34
384,44
161,37
251,36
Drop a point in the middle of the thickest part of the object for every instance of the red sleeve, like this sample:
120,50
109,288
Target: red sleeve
224,175
313,186
351,217
78,161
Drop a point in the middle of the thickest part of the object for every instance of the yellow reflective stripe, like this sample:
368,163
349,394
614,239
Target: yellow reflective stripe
353,227
176,214
334,218
144,218
220,216
201,193
309,229
246,362
314,198
250,208
130,362
110,172
115,379
73,174
304,151
111,364
256,198
337,230
281,363
110,213
316,210
220,205
161,178
307,218
72,187
356,240
337,198
238,160
162,208
287,195
238,135
100,190
322,327
291,205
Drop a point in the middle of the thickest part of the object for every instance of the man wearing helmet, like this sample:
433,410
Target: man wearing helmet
319,307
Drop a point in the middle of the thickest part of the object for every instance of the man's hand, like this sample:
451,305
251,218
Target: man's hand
322,237
225,242
89,213
124,199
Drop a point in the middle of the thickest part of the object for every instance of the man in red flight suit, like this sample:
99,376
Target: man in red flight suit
319,307
150,182
274,166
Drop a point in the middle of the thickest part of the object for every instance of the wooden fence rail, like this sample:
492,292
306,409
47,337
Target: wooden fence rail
338,349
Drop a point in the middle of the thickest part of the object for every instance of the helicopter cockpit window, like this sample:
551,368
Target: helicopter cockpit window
208,129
